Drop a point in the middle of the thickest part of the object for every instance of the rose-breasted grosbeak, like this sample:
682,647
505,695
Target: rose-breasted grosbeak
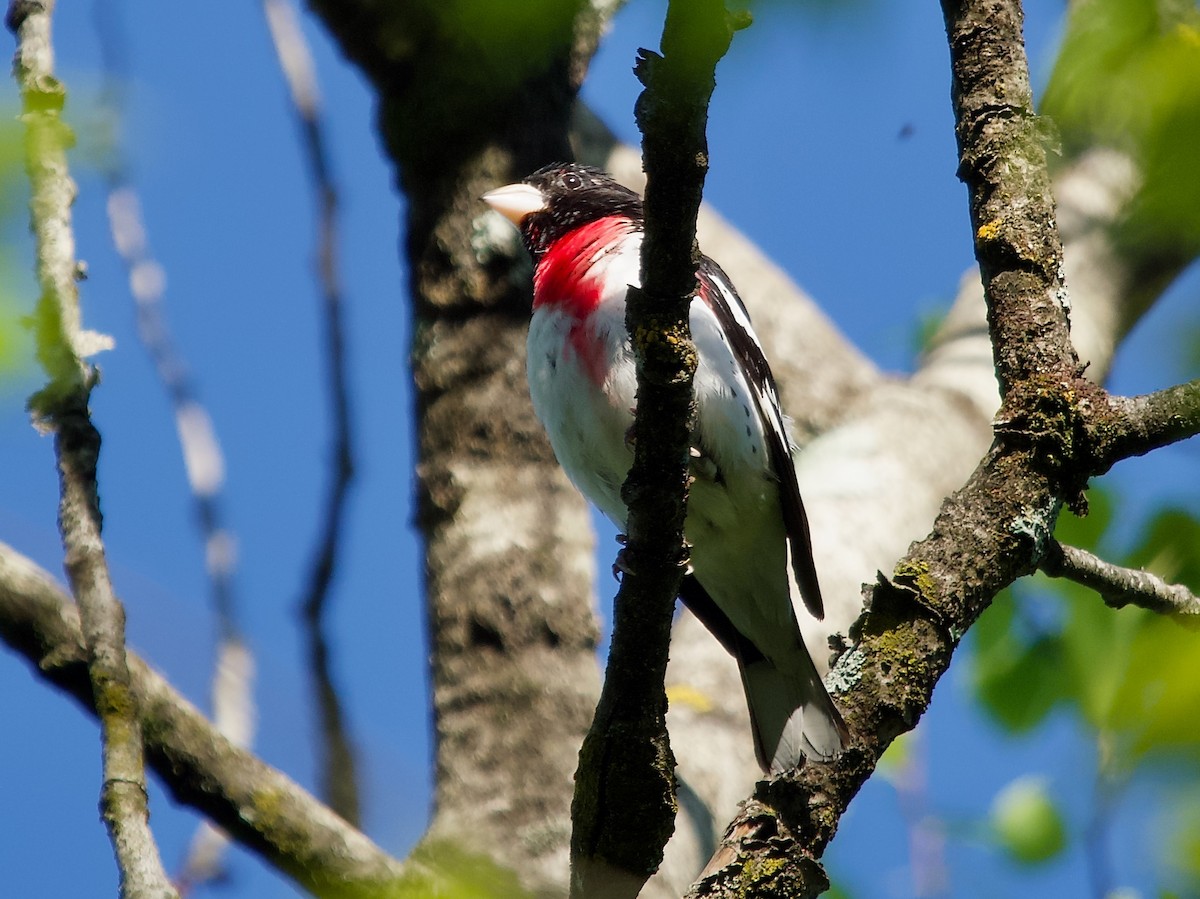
751,558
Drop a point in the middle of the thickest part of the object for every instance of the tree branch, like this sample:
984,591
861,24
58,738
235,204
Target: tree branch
1133,426
62,407
468,102
338,777
232,689
262,808
980,543
1118,586
626,769
296,63
820,374
989,532
1002,161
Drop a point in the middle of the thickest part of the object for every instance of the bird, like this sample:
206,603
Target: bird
751,556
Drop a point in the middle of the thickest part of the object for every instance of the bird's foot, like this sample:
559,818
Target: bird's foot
621,565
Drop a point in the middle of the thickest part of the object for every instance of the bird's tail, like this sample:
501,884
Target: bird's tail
792,715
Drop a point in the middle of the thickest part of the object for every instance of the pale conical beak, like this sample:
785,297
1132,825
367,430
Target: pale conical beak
515,201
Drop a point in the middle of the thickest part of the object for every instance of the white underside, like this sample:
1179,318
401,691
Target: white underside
734,524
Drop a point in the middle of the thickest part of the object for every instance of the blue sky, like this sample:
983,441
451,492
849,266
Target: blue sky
832,144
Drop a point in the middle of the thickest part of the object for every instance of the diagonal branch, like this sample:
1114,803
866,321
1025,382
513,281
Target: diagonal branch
62,407
1119,586
988,533
262,808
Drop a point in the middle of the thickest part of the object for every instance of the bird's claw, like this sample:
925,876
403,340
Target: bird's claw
621,565
685,561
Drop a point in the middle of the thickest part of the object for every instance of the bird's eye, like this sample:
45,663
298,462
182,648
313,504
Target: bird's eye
571,181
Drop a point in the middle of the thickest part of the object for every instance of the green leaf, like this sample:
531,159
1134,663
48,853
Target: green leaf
1018,680
895,758
1097,652
1027,823
1170,547
443,869
837,891
1128,76
1158,703
1088,531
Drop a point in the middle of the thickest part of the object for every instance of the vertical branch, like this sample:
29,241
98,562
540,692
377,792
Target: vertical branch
1097,832
1002,160
623,811
339,782
62,407
233,673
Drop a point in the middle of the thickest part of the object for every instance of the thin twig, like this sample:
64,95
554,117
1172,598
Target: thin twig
233,679
62,407
1117,586
926,833
1097,833
234,715
339,781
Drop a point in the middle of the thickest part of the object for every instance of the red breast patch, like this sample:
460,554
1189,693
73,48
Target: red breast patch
565,276
568,278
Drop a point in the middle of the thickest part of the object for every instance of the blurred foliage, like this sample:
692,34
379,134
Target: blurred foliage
506,40
1128,676
16,354
1020,663
1124,671
459,67
442,869
1027,823
812,8
16,344
1181,844
896,758
1128,76
930,318
837,891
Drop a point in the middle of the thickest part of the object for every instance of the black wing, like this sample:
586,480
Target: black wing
716,290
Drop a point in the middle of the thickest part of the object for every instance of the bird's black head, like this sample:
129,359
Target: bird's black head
560,197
